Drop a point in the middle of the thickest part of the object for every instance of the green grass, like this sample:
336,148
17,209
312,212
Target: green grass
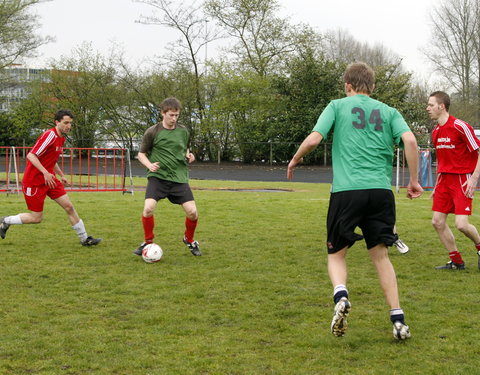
258,302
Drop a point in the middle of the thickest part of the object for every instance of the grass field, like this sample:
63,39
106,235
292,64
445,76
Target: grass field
258,301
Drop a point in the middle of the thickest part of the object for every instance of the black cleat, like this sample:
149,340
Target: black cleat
452,266
193,247
3,227
90,241
138,250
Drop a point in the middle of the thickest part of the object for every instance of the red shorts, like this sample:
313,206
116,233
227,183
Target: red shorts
35,195
449,196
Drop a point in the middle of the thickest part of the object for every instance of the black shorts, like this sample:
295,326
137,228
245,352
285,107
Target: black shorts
176,192
372,210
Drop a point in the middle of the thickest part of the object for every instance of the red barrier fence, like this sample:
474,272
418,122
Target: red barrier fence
86,169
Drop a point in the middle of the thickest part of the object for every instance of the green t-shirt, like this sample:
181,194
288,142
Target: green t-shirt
169,147
365,131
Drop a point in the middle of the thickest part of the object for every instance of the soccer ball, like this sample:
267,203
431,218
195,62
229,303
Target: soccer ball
152,253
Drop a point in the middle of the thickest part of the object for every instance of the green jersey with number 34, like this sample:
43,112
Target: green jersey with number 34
364,134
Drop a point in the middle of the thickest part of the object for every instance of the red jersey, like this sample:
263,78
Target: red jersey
48,148
456,146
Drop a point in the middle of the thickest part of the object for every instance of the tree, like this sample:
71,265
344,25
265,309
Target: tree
17,26
241,113
190,21
262,37
339,45
454,50
82,83
7,127
32,115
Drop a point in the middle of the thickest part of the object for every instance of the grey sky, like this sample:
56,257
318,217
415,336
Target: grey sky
404,26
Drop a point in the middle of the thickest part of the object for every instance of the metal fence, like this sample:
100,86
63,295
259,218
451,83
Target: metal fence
86,169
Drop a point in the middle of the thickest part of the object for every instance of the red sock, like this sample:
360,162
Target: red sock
190,226
455,257
478,246
148,224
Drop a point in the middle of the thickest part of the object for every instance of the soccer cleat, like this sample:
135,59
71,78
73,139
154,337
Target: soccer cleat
401,331
452,266
3,227
340,313
193,247
478,252
90,241
138,250
401,246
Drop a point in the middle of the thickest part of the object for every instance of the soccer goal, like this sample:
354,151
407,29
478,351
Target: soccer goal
86,169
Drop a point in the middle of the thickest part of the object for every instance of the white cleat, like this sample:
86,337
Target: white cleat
401,246
401,331
340,313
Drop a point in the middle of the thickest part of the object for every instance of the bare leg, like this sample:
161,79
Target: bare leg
149,207
337,267
386,275
31,217
190,209
469,230
439,222
66,204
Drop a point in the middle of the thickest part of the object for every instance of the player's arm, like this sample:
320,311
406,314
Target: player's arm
308,145
143,158
414,189
59,171
49,178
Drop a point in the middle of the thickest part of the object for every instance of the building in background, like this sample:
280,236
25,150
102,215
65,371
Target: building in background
14,81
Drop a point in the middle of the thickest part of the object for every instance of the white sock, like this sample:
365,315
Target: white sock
396,312
80,229
13,220
338,288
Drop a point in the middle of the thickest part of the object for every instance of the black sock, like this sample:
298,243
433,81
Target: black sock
396,315
339,295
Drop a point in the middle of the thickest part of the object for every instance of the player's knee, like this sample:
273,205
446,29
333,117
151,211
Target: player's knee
147,212
192,215
36,219
438,224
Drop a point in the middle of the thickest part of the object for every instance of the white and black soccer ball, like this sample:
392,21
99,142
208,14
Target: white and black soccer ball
152,253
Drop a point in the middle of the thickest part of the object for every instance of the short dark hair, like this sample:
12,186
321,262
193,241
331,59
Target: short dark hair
360,76
442,98
62,113
170,104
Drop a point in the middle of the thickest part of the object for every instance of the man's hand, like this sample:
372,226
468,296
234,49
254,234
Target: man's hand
153,167
49,180
64,180
190,157
471,185
293,163
414,190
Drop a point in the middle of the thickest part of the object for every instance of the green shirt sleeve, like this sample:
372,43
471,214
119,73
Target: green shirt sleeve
325,121
399,126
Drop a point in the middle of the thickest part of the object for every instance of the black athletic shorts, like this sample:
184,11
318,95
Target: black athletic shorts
176,192
372,210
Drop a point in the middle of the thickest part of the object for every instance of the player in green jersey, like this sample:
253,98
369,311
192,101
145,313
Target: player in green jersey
365,132
164,152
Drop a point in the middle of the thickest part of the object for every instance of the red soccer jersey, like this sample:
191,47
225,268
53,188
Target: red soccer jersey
48,148
456,146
